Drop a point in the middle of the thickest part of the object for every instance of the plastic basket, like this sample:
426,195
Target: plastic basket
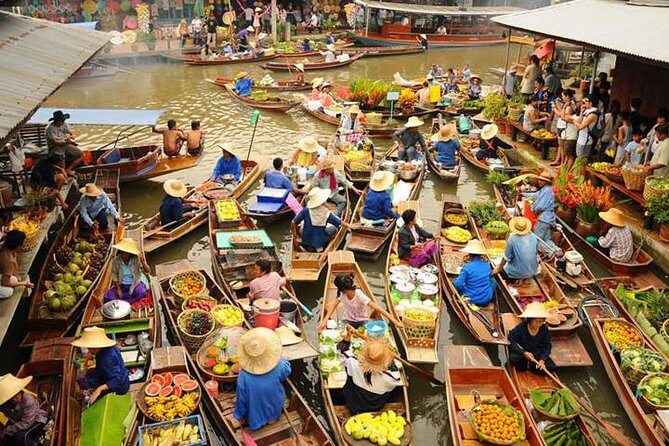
222,306
505,407
191,274
195,420
193,342
420,328
635,179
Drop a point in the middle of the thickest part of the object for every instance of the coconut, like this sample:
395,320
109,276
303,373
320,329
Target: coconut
81,290
54,304
68,278
73,267
68,302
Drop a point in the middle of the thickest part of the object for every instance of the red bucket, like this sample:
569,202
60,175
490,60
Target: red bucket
266,313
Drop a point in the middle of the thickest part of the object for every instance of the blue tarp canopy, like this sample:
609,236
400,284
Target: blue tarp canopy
100,116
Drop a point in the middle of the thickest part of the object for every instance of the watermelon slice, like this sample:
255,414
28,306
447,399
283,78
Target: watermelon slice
177,391
168,378
158,379
166,391
180,378
152,389
189,386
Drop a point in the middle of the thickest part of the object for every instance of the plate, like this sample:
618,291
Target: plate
397,277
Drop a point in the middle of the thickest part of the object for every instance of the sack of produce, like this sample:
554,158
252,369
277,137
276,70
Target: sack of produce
497,423
556,404
637,362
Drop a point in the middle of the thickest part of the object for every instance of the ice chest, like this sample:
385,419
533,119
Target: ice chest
269,200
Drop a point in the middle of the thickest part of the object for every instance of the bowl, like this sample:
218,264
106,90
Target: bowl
428,291
427,278
408,175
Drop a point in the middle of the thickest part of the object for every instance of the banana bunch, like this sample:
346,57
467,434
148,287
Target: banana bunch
28,227
161,408
181,434
385,428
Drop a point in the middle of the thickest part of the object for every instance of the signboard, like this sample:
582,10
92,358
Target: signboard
392,96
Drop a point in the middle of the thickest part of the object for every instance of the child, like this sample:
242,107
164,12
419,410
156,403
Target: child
633,150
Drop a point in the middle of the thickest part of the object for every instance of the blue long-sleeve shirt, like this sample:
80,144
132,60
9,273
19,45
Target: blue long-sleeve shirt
110,370
225,167
544,204
243,86
277,180
521,256
475,281
378,206
446,152
171,209
314,236
260,398
90,207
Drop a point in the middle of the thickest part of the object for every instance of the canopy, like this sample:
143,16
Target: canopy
100,116
438,10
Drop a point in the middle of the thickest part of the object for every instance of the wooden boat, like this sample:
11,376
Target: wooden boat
359,176
300,419
301,54
444,174
376,51
271,103
640,263
277,86
368,242
343,262
381,131
417,349
307,266
470,156
155,238
43,323
483,323
310,66
469,371
224,60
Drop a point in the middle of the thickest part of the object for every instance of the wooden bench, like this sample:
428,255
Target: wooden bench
542,145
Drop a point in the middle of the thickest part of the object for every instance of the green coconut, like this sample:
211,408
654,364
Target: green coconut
81,290
54,304
68,302
73,267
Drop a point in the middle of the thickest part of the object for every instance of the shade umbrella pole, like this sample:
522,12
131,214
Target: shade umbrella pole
508,48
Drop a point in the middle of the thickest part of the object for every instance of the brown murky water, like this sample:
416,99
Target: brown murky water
181,91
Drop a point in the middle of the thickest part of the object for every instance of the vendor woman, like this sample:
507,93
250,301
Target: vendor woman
128,269
378,206
475,281
530,341
260,393
415,245
109,374
25,418
307,153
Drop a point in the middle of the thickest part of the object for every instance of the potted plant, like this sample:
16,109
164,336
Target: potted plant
658,208
590,201
565,187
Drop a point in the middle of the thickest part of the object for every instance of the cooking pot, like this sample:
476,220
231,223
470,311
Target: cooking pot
428,278
407,175
116,309
428,291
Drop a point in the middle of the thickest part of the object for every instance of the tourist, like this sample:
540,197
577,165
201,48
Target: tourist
260,395
609,128
257,15
267,283
622,137
552,81
182,32
659,163
276,179
356,305
95,207
409,138
490,143
320,225
585,122
9,264
60,140
651,139
351,122
172,138
530,341
435,71
617,243
110,374
533,118
634,151
299,74
25,418
228,169
50,173
128,280
211,30
474,88
509,81
313,22
424,95
328,179
206,53
543,94
415,244
196,30
543,207
227,49
371,377
532,72
378,205
520,260
475,282
194,139
308,153
329,54
447,146
174,210
570,134
243,84
422,40
465,73
248,15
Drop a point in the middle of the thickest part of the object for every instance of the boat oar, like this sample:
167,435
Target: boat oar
148,234
294,298
478,319
406,363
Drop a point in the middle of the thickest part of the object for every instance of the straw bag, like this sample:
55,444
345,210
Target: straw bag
634,178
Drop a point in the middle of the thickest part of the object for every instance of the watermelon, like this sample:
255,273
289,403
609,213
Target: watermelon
168,378
152,389
166,391
180,378
189,386
158,379
177,391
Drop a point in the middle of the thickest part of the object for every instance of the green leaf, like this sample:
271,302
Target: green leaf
538,397
102,423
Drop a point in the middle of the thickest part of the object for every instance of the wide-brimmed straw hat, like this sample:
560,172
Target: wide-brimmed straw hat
91,190
414,121
287,336
175,188
228,147
475,76
375,356
475,246
58,115
354,110
534,310
259,350
423,36
447,132
317,197
299,67
326,163
546,175
241,74
258,10
330,46
309,144
381,180
520,225
489,131
93,337
326,84
613,216
317,82
262,36
250,29
127,245
10,385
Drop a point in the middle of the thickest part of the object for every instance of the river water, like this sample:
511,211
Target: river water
181,91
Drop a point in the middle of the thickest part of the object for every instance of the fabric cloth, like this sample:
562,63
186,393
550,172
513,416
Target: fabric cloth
544,231
92,207
355,308
489,148
661,156
360,395
260,398
332,182
521,256
635,157
378,206
109,369
267,286
476,282
424,254
305,159
619,242
409,140
315,237
446,151
277,180
128,293
171,210
406,240
225,167
24,415
243,86
544,204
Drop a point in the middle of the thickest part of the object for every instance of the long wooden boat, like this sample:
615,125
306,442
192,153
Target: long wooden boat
343,262
484,323
470,156
381,131
360,177
300,420
265,217
224,60
396,36
302,54
368,242
310,66
307,266
277,86
44,323
377,51
444,174
153,239
271,103
469,371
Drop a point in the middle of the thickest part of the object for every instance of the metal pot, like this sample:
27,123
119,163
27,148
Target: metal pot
408,175
405,289
116,309
428,291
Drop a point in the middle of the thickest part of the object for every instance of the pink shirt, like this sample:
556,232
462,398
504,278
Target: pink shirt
355,309
267,286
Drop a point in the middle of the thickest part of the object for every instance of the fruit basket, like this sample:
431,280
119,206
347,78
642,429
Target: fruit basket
168,396
654,391
637,362
455,217
227,315
419,323
195,325
187,431
187,284
635,178
620,334
205,303
358,429
485,415
556,404
613,173
457,234
213,358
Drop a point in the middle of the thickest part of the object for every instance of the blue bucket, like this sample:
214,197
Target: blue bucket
376,329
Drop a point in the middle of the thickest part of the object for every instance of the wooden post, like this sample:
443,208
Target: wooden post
366,21
580,64
508,48
288,30
233,44
273,20
594,72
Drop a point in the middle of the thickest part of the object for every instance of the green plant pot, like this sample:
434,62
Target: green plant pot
566,215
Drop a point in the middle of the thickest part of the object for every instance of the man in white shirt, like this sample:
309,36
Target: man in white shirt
659,163
196,28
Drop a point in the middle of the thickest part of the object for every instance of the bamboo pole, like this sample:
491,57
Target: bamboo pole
508,48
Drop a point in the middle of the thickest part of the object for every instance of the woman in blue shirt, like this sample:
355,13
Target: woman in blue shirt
544,208
128,269
228,164
475,280
447,146
172,209
320,225
260,392
378,205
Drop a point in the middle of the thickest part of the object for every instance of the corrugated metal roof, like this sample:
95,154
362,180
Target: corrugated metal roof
610,25
99,116
437,10
37,57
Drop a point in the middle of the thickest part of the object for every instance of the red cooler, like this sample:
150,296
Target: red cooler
266,313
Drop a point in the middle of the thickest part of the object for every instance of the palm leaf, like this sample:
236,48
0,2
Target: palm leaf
102,423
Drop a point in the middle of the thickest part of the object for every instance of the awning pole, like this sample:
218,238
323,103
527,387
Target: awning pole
580,64
366,21
508,48
594,72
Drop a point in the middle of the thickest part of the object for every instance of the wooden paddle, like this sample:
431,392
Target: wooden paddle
148,234
478,320
304,308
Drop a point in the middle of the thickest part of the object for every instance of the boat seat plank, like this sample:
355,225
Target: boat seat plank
467,356
422,354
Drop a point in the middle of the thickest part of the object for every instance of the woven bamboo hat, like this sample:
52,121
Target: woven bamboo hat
475,246
546,176
127,245
414,121
91,190
381,180
309,144
10,385
534,310
175,188
93,337
489,131
317,197
287,336
613,216
354,110
259,350
317,82
375,356
330,46
299,67
520,225
447,132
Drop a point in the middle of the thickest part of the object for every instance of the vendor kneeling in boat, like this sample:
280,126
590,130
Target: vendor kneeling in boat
128,269
308,153
276,179
173,209
110,374
490,143
415,244
447,146
474,88
520,260
618,242
243,83
267,283
260,392
378,206
228,170
95,207
475,282
530,341
25,418
328,179
351,124
320,225
409,138
544,208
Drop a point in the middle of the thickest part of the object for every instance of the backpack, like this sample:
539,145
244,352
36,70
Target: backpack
595,130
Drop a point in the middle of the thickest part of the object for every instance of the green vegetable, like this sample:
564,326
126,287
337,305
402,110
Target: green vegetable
484,211
103,422
496,227
494,106
658,207
497,178
559,403
566,433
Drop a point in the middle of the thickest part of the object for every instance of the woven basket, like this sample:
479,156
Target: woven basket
30,243
183,276
202,297
664,330
374,118
542,411
634,375
634,179
221,306
420,329
645,402
485,438
357,166
614,177
193,342
651,192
